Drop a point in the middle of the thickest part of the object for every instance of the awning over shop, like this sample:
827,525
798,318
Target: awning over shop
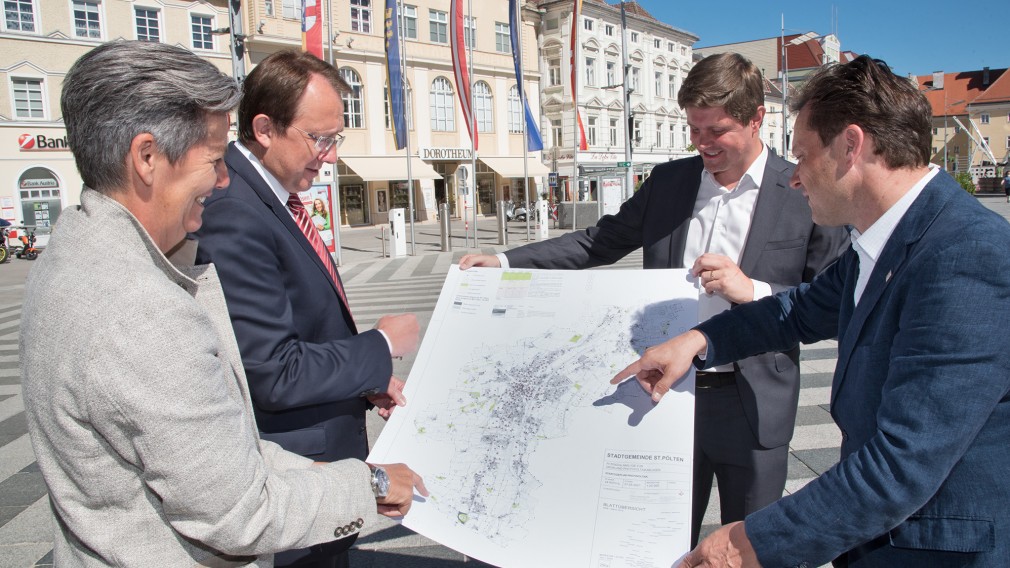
512,167
385,168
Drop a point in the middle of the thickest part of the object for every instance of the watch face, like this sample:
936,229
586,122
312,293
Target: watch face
380,482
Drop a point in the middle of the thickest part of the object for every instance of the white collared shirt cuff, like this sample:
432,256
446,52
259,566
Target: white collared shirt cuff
761,289
389,343
503,260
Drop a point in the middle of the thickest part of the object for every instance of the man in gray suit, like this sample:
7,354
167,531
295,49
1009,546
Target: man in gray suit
729,215
137,403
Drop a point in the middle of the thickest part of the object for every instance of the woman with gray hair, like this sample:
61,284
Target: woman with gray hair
136,399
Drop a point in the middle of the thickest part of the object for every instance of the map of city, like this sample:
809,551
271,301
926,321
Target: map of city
510,408
510,398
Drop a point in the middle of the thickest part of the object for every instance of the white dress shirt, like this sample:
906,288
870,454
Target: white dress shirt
720,225
869,245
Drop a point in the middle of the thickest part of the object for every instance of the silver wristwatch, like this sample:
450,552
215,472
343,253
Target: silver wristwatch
380,482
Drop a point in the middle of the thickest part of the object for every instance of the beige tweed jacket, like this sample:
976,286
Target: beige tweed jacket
139,413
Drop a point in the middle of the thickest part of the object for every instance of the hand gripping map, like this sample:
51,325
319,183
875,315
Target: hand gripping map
531,456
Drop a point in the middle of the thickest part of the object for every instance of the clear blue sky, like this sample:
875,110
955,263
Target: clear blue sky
931,36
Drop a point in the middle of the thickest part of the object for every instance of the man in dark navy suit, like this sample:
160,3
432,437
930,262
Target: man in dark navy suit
919,305
311,374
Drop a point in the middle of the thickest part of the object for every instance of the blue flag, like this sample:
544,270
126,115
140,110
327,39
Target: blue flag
397,103
533,139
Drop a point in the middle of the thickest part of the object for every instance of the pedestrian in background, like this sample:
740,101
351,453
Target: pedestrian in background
134,392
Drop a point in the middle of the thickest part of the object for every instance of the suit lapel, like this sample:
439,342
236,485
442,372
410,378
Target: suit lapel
771,196
238,162
683,192
888,267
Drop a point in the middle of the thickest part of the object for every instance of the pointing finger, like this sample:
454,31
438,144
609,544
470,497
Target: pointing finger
627,372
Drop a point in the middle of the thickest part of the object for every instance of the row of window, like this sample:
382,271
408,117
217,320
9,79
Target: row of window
985,117
609,30
442,103
665,134
956,148
612,77
438,25
21,16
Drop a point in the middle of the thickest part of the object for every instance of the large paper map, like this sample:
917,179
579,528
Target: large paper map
532,458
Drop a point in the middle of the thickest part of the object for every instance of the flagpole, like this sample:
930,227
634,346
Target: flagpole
522,110
334,186
629,172
473,115
574,185
406,120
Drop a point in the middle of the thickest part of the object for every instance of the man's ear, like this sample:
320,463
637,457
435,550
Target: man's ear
142,158
263,130
855,142
758,119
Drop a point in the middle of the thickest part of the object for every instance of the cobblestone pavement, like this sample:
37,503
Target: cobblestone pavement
375,285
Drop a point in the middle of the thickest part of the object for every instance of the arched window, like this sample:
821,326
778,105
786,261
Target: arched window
409,95
483,106
515,111
354,113
442,111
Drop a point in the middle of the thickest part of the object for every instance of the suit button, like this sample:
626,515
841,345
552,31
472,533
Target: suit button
361,430
845,435
339,531
359,523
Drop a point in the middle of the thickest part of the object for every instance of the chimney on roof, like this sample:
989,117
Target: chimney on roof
937,79
985,76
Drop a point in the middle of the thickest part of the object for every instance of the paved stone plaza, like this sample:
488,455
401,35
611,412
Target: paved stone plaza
375,286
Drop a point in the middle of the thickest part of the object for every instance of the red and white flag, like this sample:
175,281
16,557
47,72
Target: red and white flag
312,28
458,46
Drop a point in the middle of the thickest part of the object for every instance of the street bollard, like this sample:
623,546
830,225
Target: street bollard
384,229
503,233
444,226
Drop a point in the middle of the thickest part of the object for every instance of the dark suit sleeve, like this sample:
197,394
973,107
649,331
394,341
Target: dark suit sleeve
611,239
804,314
941,376
284,371
925,381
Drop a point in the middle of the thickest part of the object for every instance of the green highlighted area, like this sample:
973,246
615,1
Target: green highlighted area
517,276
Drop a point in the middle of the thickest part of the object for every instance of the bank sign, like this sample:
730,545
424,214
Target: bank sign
42,143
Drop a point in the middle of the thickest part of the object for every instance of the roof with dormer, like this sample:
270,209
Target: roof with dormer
962,88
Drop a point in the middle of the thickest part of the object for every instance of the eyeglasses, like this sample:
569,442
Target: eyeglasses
322,143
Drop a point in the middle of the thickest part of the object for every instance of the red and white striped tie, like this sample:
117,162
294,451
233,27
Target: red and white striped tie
309,230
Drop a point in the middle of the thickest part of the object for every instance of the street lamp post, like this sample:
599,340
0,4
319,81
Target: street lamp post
627,90
785,92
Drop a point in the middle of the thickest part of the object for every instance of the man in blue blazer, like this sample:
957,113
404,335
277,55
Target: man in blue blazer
730,216
919,306
311,374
